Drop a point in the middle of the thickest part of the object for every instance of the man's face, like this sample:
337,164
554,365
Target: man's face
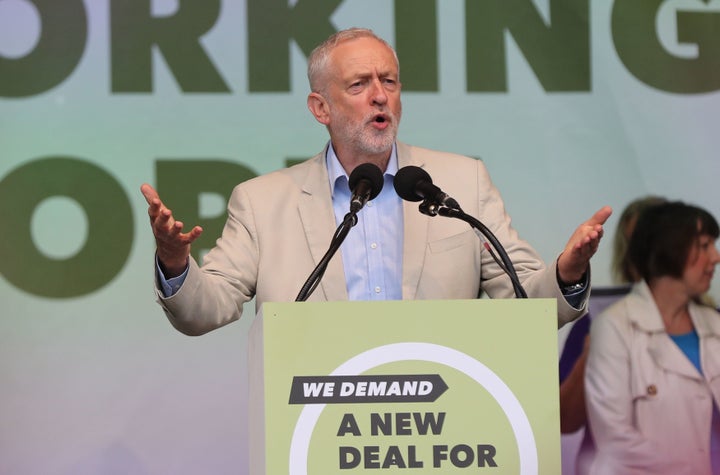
363,96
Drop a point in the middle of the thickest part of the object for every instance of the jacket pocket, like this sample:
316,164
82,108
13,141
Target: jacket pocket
452,242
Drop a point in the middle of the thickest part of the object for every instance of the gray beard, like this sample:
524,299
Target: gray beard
372,144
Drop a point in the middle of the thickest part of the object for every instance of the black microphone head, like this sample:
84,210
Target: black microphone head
406,182
369,172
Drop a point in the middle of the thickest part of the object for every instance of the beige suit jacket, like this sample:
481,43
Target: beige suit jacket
279,226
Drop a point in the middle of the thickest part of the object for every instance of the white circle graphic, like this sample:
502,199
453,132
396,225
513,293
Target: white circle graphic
300,444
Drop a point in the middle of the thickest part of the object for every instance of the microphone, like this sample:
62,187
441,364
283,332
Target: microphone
414,184
365,182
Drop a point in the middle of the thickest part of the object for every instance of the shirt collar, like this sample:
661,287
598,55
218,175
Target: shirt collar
337,172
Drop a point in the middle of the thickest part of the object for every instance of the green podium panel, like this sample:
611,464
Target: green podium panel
416,387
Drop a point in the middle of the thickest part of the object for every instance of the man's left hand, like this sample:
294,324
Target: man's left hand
575,259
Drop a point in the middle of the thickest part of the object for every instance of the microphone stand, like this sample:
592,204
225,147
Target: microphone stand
341,233
431,208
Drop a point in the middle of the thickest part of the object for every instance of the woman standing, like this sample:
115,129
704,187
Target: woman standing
652,380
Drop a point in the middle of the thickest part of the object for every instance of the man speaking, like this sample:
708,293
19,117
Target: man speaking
279,225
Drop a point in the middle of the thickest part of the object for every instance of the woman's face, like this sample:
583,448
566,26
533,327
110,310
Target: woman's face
700,266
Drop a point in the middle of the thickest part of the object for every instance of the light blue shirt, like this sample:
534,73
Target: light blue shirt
170,286
372,250
689,343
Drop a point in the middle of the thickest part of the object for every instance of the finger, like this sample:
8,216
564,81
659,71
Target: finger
176,229
149,193
587,249
163,225
172,238
600,216
156,210
587,238
185,239
155,205
165,218
194,234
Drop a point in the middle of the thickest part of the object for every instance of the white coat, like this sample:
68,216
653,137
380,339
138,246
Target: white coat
649,408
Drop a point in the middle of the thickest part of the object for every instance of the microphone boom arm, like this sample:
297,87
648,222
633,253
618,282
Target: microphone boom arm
506,264
313,280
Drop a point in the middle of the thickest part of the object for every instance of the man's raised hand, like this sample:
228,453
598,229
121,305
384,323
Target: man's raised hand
173,245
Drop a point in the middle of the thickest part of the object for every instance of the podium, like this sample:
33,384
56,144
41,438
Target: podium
416,387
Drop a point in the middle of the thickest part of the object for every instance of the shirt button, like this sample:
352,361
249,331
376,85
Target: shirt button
377,290
369,203
373,245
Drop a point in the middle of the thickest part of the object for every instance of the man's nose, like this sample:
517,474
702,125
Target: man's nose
379,95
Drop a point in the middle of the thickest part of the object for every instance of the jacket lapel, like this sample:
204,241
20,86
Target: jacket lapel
318,220
415,231
662,349
707,324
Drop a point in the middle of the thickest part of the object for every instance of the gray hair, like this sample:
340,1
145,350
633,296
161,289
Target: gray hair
318,59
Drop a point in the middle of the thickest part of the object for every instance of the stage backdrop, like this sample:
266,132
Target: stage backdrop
572,104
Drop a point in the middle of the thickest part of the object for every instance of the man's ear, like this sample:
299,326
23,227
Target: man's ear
319,107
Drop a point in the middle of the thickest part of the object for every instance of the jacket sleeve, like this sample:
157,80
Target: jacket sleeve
538,280
213,296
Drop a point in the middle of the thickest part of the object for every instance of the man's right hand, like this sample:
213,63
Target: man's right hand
173,246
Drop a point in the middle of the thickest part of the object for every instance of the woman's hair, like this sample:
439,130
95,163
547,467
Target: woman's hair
622,271
317,62
664,236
